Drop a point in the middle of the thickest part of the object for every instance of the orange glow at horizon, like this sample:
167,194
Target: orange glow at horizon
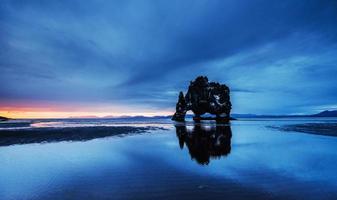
35,112
37,115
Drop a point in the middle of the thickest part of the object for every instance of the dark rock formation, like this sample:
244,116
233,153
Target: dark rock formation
180,113
3,119
204,97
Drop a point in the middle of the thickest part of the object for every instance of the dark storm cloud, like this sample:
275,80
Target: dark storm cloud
274,54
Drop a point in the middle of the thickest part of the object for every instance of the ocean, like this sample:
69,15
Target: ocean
161,159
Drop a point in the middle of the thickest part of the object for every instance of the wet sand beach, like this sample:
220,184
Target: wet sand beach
329,129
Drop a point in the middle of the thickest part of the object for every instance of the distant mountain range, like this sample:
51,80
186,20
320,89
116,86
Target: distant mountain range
327,113
3,118
139,117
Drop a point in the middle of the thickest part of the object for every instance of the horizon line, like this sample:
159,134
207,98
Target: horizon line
131,115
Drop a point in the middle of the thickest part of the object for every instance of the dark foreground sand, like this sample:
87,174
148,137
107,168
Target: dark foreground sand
42,135
329,129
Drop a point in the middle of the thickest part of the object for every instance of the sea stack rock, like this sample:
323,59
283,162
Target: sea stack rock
204,97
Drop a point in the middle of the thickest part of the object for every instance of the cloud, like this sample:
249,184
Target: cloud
274,55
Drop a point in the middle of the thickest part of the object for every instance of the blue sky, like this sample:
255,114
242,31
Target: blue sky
278,57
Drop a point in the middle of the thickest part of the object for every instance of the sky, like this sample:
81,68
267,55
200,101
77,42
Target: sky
62,58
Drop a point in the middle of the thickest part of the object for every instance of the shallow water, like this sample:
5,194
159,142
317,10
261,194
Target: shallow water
245,160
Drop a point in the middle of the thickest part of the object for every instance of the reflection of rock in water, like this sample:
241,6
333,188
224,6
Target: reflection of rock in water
204,143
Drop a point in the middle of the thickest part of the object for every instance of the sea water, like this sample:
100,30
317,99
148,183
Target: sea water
246,159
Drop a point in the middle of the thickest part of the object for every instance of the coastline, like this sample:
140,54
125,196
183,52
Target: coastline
47,135
327,129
